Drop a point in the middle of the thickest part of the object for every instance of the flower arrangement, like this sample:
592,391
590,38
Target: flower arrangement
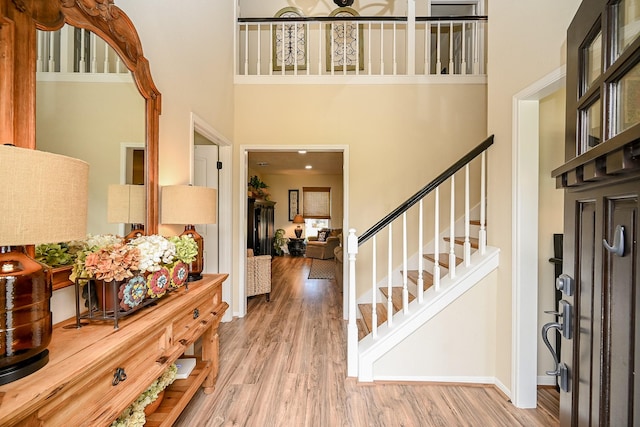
93,243
113,262
186,248
154,251
134,416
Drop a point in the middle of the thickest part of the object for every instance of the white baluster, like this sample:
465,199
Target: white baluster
405,281
382,48
420,253
374,292
52,59
105,60
476,41
357,49
452,231
451,43
94,52
331,48
395,62
436,242
307,34
283,44
40,37
427,48
344,48
271,52
295,49
352,328
389,278
319,48
482,234
259,55
438,44
83,60
463,64
467,243
369,51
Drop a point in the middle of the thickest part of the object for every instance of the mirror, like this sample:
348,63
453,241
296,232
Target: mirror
112,25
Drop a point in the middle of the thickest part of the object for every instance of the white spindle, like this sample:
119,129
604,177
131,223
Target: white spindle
52,59
420,253
40,37
405,281
476,63
320,48
271,54
307,33
283,44
105,60
374,292
395,61
463,63
259,51
438,45
427,48
295,49
436,242
389,278
382,48
246,49
452,231
352,328
369,50
331,48
83,57
482,234
119,65
344,48
93,64
357,50
451,43
467,243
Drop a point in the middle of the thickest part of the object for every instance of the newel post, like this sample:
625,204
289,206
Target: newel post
352,328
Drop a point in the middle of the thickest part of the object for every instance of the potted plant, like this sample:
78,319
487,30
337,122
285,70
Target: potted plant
257,188
280,242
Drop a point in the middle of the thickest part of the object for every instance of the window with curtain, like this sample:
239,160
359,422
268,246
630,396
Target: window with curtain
316,202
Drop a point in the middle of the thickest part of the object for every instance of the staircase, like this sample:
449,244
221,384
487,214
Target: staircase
418,287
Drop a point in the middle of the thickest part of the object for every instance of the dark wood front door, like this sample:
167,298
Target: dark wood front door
601,178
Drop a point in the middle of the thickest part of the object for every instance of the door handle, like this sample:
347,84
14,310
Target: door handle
618,242
545,338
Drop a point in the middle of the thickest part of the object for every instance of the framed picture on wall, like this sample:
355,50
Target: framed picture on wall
293,204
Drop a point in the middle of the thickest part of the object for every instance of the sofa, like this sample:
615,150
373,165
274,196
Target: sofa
258,274
322,245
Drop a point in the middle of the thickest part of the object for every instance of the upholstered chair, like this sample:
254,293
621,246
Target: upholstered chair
322,246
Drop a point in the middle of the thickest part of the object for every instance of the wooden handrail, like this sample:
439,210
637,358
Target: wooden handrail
467,158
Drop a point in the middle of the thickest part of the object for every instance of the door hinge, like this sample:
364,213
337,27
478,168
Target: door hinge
219,165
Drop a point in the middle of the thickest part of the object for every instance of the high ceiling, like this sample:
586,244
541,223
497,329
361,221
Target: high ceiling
293,163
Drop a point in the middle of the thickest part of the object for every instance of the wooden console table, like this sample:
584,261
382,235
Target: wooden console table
77,387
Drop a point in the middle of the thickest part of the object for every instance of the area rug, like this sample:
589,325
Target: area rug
322,269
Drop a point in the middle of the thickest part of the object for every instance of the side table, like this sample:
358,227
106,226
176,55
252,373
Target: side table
297,247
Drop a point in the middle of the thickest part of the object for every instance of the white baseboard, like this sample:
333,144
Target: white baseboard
546,380
438,379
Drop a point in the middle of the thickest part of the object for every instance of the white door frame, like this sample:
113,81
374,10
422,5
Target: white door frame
524,301
225,211
242,229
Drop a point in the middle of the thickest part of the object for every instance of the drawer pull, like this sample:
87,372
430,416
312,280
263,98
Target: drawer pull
196,313
120,375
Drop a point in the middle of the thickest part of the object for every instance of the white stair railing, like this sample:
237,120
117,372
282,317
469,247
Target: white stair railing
406,263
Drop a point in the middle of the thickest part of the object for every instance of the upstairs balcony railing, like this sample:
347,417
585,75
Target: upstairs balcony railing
359,45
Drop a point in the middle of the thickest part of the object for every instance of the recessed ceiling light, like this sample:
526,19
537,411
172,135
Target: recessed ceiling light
308,167
302,151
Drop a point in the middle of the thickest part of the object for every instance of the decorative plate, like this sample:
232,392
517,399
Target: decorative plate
179,274
132,292
158,283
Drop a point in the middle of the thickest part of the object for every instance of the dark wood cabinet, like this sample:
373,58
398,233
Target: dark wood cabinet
260,226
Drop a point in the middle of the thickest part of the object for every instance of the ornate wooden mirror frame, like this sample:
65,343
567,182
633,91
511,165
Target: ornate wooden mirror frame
19,20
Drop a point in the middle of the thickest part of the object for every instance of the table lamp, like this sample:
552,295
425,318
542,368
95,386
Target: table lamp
126,204
189,205
298,219
44,200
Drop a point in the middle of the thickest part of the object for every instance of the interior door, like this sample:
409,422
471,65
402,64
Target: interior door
205,162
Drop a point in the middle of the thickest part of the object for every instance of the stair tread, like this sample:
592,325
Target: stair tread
474,222
443,259
366,310
362,329
460,241
427,278
396,297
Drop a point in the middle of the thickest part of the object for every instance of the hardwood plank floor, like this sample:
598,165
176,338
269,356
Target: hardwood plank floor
284,364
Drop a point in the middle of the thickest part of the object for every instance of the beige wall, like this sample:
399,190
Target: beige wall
526,42
550,214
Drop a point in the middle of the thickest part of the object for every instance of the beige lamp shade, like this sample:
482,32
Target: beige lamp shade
298,219
187,204
44,197
126,204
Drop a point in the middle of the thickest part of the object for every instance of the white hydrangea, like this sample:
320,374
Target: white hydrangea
102,240
154,251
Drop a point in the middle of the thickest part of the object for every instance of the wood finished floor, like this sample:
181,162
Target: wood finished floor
284,364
